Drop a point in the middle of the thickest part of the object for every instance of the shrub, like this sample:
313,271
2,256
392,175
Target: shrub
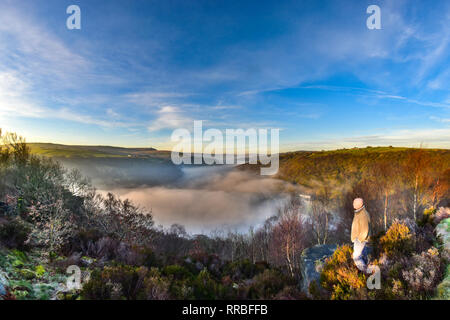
120,282
267,285
14,233
205,287
103,248
96,288
135,255
123,221
147,257
40,271
290,293
398,240
61,264
423,274
427,217
443,289
125,282
81,241
341,278
155,287
177,272
243,269
17,258
52,224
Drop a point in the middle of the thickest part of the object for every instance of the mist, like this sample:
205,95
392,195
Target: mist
208,198
115,173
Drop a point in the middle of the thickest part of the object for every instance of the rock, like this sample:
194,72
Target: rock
311,262
3,279
3,283
443,289
443,232
441,214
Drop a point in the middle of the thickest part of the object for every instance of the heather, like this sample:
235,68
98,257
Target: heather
52,218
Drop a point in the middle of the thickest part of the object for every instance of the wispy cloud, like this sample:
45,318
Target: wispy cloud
239,73
154,98
377,94
15,102
37,53
414,101
170,117
443,120
439,138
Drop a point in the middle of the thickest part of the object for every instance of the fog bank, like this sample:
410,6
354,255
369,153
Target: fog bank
207,198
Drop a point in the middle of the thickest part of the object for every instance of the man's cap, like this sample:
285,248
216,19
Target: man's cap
358,203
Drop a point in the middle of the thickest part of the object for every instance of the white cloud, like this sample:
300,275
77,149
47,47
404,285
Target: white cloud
440,81
430,59
15,102
170,117
27,46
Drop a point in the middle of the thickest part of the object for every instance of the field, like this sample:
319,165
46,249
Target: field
72,151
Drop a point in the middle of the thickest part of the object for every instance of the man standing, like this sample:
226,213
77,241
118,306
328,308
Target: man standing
360,234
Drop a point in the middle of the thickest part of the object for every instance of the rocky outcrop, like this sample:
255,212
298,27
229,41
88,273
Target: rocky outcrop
3,283
443,232
311,263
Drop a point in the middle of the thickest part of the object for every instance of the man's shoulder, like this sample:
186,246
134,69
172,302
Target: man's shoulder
366,213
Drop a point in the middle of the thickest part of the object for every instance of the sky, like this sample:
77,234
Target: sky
137,70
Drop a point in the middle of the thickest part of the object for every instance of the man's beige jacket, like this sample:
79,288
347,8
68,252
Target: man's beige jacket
361,225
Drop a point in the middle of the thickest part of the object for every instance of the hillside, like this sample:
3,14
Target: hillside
340,167
310,169
74,151
109,167
50,221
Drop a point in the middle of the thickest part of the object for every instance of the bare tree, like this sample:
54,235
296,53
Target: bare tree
417,177
384,173
289,237
124,221
320,216
441,185
263,237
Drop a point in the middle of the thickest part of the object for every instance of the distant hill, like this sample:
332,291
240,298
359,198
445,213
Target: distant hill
114,167
341,166
304,168
70,151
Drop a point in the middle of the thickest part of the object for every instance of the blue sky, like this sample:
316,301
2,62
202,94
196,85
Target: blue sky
137,70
